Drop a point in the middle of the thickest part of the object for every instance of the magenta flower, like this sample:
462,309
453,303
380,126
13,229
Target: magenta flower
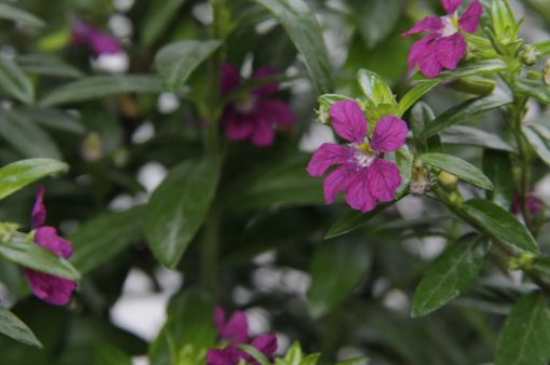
534,205
362,173
253,116
235,332
100,43
445,45
49,288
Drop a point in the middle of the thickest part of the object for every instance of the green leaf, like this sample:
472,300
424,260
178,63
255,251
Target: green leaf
54,119
497,166
178,208
457,166
465,112
542,264
159,17
452,272
99,87
354,361
353,219
375,19
176,61
311,359
28,254
300,23
14,81
415,94
256,354
539,138
474,69
375,89
26,137
13,327
421,116
500,223
535,89
348,263
526,334
10,12
470,136
48,65
294,354
99,240
110,355
542,47
19,174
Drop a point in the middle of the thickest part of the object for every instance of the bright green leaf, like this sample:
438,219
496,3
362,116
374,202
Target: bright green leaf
458,167
415,94
535,89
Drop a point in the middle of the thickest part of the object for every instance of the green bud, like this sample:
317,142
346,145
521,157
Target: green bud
522,262
376,90
447,179
92,148
530,55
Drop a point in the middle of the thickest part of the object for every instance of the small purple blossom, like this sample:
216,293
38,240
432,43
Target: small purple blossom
444,45
253,116
235,332
49,288
361,172
100,43
534,205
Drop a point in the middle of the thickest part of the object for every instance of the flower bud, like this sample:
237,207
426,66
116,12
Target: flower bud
420,180
522,262
530,55
447,179
92,148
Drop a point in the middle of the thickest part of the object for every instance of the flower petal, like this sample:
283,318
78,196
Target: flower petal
228,356
451,5
266,344
337,181
48,238
230,78
418,49
389,134
428,24
277,112
327,155
236,329
49,288
269,88
39,212
358,195
237,127
383,180
263,134
348,120
450,50
102,43
469,20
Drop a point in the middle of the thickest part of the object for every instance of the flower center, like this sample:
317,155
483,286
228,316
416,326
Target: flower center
245,103
364,155
450,25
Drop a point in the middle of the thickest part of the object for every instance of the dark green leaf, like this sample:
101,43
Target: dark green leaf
470,136
415,94
526,336
100,239
109,355
500,223
535,89
28,254
13,327
99,87
54,119
449,274
19,174
48,65
457,166
465,112
375,19
348,263
421,116
539,138
10,12
26,137
158,19
176,61
301,26
178,208
498,168
14,81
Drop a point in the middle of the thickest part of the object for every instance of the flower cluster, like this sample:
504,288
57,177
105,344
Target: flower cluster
100,43
444,45
255,115
49,288
362,173
234,332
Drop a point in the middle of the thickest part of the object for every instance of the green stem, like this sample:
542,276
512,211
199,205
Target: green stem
209,254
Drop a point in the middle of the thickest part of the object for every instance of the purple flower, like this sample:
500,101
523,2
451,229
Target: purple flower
362,173
235,332
49,288
100,43
534,205
253,116
444,45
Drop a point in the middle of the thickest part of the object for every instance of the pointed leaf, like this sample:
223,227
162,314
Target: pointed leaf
457,166
13,327
470,136
14,81
497,166
12,13
539,138
415,94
